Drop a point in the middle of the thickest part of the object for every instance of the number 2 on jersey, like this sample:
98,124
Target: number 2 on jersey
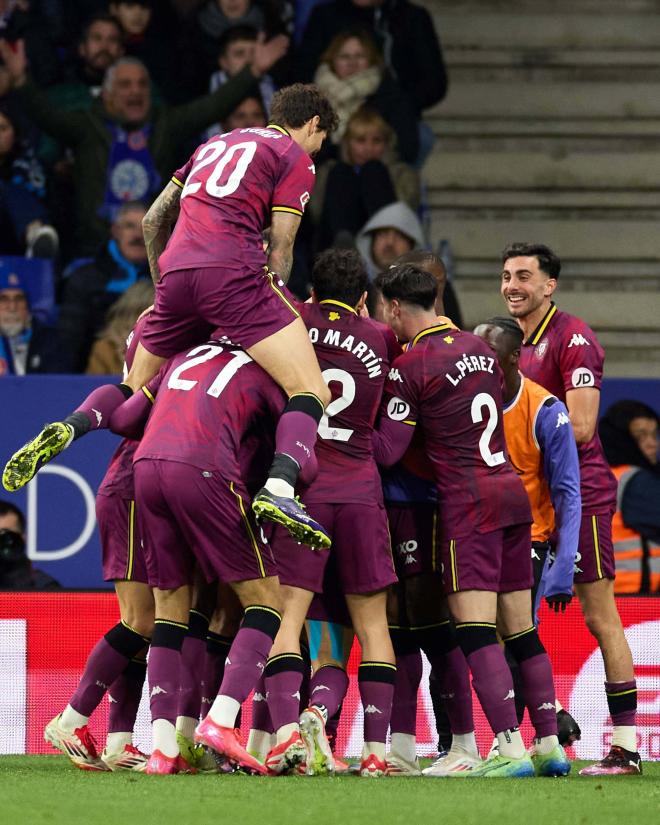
216,152
478,403
340,404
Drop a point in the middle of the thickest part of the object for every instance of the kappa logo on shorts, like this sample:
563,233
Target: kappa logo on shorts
510,695
155,690
546,706
258,697
582,377
372,709
397,409
111,699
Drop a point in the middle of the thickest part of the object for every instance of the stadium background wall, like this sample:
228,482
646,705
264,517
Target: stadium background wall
59,503
45,639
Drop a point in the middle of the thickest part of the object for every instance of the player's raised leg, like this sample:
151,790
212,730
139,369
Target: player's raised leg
300,377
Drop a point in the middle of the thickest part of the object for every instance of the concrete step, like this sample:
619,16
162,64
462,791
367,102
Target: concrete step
605,201
559,57
548,99
602,310
533,170
480,26
572,239
555,145
592,128
533,70
576,275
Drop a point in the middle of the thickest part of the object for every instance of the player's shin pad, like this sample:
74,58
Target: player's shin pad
26,462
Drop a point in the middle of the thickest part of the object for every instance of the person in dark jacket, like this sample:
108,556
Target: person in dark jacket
94,285
27,345
405,34
16,570
124,146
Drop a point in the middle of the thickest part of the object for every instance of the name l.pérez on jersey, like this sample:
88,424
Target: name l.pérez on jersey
470,363
361,350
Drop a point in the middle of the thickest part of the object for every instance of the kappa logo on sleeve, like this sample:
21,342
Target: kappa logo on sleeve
582,377
562,419
397,409
578,340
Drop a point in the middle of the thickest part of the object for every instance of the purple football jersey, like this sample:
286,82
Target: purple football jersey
354,354
563,354
449,384
207,401
230,186
118,479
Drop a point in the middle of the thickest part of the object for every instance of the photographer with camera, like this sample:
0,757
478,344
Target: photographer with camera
16,570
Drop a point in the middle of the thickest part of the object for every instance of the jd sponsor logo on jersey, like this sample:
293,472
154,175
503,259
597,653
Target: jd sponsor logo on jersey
397,409
582,377
578,340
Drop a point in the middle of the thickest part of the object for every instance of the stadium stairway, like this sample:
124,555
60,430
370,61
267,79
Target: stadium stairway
551,132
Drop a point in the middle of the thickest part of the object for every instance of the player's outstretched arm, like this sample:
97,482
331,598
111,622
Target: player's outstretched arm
390,441
283,229
562,472
157,225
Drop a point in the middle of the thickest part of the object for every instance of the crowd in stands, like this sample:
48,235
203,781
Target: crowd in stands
101,101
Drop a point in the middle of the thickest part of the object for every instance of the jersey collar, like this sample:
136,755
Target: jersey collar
536,336
278,129
434,330
338,304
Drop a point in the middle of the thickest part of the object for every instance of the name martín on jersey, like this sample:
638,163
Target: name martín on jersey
468,364
333,338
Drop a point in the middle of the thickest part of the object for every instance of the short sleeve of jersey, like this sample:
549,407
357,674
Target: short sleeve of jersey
580,357
180,176
295,184
401,399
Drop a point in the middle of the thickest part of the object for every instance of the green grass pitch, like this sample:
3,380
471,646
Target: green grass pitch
48,789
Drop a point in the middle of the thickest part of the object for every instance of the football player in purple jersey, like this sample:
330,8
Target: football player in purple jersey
449,384
561,353
211,272
117,663
354,353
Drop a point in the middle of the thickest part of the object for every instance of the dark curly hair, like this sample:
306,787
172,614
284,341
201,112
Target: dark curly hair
408,283
294,105
340,274
548,261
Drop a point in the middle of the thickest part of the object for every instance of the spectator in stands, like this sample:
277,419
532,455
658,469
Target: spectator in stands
101,44
629,433
153,44
215,18
92,288
235,51
19,21
352,74
405,34
364,179
392,231
107,355
16,570
27,345
124,146
249,112
24,220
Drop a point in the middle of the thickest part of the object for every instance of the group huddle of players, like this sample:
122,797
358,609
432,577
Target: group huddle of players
425,517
